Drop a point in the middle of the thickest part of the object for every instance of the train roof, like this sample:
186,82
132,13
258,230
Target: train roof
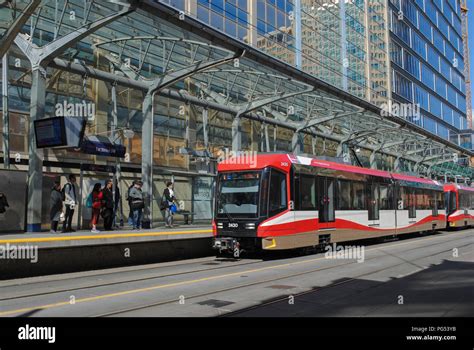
262,160
458,187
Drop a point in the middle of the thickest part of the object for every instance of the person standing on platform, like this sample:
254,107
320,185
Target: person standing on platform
97,197
167,202
117,205
56,201
137,204
69,195
108,205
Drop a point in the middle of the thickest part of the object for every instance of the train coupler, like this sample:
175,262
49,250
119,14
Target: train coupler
228,245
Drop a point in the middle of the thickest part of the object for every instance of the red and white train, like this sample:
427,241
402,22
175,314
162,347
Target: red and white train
460,205
282,201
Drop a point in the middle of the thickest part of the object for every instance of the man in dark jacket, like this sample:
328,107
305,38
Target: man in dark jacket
56,205
70,201
108,205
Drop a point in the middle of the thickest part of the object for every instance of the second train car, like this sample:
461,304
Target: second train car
282,201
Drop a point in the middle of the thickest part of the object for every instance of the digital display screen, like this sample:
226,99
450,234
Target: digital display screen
50,132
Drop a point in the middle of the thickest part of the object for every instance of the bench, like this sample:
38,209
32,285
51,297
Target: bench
186,214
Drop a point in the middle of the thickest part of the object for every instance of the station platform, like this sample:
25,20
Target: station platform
85,237
44,253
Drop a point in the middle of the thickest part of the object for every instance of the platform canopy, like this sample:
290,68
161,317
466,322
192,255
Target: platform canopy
153,47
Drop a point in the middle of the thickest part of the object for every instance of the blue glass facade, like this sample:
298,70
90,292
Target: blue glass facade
426,53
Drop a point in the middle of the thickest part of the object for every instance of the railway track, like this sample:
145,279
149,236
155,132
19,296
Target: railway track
121,311
209,293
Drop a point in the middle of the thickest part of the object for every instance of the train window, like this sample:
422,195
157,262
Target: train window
277,198
386,197
422,199
308,193
408,201
374,201
343,195
358,196
464,201
440,200
472,201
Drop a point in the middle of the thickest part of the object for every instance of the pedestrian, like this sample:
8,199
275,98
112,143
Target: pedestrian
117,206
136,204
97,197
56,206
128,199
70,201
108,205
167,201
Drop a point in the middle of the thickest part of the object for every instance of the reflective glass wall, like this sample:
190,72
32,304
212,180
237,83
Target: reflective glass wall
426,51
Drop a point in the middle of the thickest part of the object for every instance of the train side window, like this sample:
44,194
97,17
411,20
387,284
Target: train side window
386,201
410,202
308,193
359,201
440,200
277,197
422,200
343,195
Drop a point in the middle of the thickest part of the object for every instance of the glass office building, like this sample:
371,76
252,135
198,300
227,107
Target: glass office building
426,51
409,51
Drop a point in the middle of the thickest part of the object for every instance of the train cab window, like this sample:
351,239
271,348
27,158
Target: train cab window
343,195
358,196
277,201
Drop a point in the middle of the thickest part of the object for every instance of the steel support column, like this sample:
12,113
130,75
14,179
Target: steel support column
5,113
35,160
237,134
297,143
147,158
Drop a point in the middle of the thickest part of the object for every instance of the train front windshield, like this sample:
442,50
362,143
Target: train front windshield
238,194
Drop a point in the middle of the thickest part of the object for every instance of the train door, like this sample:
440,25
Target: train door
374,204
326,196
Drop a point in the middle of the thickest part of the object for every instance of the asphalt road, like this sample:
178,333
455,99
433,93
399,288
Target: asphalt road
428,276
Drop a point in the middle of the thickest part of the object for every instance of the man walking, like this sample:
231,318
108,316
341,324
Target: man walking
69,195
136,204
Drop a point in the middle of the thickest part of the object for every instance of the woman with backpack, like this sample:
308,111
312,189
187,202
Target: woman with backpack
167,202
97,197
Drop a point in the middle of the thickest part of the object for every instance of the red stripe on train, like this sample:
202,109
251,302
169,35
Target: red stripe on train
309,225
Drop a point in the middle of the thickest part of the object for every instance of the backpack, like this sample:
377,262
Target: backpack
63,193
89,201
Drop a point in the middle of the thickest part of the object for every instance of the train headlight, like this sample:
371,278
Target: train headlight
250,226
220,225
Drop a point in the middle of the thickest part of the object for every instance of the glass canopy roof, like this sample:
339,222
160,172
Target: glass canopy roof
143,45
